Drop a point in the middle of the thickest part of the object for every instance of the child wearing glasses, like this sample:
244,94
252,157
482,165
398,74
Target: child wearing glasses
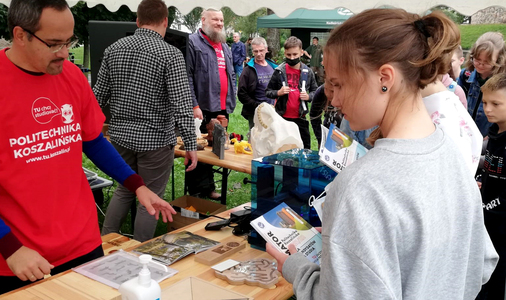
493,188
486,58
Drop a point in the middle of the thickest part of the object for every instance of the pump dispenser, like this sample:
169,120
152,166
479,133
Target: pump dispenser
142,287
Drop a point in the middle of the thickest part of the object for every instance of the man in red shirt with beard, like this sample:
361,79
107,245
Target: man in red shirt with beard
212,83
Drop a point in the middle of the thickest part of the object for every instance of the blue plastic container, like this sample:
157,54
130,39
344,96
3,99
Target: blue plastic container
291,177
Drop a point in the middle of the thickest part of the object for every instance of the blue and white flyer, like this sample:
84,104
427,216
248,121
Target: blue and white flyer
282,226
339,150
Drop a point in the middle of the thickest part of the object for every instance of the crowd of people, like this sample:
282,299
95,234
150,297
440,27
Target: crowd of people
420,216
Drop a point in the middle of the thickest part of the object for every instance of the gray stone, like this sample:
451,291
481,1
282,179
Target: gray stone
491,15
4,44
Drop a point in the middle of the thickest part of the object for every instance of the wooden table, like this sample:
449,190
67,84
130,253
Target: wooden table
114,241
74,286
71,285
238,162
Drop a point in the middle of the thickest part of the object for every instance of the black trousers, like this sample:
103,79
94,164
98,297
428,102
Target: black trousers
319,73
10,283
200,181
303,125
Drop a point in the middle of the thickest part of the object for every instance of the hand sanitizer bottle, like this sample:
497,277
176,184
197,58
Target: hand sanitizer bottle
141,287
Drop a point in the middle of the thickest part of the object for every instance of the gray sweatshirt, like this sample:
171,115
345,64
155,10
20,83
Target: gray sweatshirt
403,222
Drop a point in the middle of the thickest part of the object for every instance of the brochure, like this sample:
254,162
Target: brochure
282,226
171,247
340,150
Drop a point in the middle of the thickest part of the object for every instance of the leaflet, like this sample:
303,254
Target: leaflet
339,150
282,226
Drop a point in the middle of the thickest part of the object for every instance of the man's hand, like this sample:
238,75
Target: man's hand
283,90
154,204
28,264
190,155
304,96
278,255
197,113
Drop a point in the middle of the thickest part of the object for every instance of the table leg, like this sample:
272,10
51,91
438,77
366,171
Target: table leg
224,186
173,191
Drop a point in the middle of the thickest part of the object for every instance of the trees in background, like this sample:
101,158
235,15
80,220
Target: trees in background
273,38
454,15
4,30
83,14
229,18
190,20
246,25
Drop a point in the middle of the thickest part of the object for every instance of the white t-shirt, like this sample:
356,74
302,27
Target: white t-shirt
447,112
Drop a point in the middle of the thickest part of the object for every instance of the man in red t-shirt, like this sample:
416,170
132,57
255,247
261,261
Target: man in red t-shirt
293,84
48,219
212,83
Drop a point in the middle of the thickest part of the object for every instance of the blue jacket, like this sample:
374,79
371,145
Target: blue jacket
238,53
204,76
469,82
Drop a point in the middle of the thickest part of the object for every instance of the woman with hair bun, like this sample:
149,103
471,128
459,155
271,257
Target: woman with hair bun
405,221
486,58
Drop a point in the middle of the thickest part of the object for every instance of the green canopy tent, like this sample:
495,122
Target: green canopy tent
306,18
304,23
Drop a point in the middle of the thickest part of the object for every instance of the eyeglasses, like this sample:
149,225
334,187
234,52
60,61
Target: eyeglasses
57,47
480,63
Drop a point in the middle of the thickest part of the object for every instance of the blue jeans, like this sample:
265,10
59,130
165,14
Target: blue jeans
238,71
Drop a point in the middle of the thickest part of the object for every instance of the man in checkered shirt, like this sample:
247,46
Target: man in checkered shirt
144,81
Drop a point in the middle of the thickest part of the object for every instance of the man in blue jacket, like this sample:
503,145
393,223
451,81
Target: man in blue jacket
212,83
238,54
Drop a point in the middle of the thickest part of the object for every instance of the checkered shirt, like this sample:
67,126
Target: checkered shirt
144,80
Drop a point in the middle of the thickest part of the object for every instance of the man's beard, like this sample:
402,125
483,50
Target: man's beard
217,37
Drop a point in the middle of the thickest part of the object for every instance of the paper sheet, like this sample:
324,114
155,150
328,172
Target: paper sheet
119,267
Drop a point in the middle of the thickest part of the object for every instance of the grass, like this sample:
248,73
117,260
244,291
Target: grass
235,196
78,55
470,33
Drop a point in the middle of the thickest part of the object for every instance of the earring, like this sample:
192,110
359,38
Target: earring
384,89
